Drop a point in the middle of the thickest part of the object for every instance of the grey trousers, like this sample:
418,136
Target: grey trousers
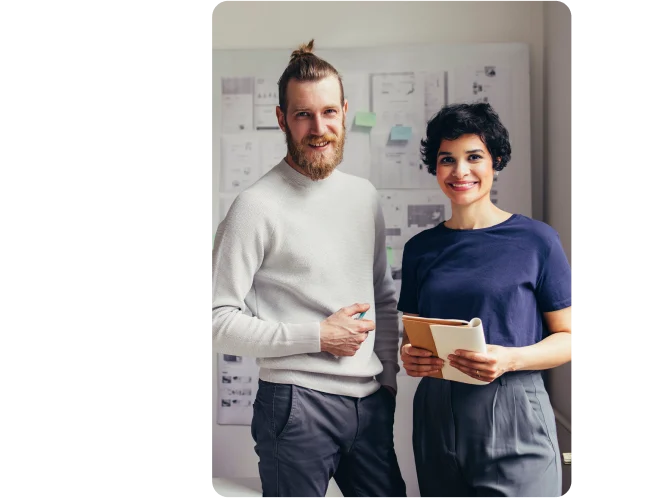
494,440
305,437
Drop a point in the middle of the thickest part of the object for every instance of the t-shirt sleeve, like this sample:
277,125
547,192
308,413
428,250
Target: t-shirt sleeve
553,289
408,302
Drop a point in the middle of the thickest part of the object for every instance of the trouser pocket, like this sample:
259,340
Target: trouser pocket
273,410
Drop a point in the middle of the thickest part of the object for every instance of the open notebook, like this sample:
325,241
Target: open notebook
443,337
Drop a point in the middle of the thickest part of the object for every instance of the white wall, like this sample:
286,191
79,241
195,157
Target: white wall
557,181
237,25
557,123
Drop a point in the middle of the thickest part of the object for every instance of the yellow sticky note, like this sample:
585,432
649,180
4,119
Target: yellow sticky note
363,118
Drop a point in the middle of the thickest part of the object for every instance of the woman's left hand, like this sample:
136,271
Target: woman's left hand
486,367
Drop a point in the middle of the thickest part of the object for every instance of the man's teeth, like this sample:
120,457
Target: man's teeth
319,145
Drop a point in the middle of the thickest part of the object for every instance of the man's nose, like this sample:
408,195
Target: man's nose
317,126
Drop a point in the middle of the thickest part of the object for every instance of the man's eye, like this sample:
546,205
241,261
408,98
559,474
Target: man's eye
331,111
302,114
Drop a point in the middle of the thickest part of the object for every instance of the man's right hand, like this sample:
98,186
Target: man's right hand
342,335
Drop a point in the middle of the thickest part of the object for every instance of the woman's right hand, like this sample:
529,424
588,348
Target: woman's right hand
419,362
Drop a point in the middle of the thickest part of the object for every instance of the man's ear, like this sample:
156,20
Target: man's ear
280,116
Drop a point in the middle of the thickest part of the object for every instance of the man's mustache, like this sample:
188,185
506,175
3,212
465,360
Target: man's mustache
321,139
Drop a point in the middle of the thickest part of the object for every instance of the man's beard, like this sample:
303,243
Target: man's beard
319,168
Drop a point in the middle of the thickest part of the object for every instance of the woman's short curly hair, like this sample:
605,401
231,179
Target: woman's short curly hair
460,119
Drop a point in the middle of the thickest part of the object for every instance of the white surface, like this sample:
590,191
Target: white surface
250,486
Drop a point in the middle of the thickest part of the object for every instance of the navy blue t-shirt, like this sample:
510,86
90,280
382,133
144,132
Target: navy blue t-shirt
507,275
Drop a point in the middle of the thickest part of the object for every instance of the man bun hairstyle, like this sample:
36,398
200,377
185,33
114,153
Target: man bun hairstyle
303,50
304,65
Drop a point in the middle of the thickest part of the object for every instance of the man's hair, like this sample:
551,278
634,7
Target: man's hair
460,119
305,66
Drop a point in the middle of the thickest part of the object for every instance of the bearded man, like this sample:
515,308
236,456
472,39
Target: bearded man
299,254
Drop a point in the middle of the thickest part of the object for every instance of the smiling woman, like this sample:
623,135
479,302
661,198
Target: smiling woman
465,169
466,146
511,272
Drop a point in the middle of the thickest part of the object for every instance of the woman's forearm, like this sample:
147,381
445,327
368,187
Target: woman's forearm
551,352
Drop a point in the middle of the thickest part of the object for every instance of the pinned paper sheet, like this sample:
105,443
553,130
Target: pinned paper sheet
365,119
401,133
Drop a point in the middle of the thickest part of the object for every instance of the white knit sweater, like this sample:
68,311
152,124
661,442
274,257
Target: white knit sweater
290,252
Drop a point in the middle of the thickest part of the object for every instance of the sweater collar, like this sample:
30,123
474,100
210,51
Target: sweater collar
296,178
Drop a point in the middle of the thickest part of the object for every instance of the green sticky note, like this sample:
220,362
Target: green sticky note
365,119
401,133
390,256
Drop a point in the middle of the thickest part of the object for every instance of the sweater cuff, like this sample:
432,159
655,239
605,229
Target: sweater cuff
304,337
388,375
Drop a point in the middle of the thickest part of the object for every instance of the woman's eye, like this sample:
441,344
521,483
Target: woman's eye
446,160
475,157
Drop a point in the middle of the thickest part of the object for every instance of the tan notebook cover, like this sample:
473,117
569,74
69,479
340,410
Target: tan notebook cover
418,331
443,337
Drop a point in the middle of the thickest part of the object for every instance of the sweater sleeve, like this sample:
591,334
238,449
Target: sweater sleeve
240,245
386,322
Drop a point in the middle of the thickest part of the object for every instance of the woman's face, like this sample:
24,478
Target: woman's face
465,170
